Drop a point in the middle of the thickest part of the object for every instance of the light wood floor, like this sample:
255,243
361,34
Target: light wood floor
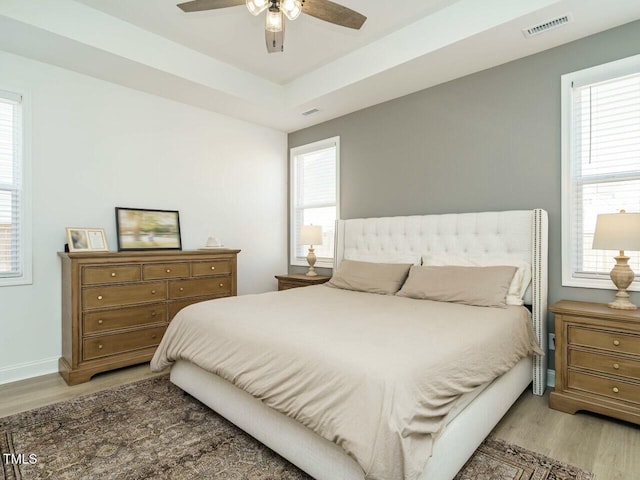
606,447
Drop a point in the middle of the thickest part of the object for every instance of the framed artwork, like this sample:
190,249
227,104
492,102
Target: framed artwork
87,240
142,229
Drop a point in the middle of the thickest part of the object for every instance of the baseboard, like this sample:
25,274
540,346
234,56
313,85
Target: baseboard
551,378
22,371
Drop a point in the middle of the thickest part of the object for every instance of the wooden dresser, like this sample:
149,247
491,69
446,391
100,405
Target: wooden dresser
116,306
597,360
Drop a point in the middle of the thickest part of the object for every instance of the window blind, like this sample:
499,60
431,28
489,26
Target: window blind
11,186
605,166
314,197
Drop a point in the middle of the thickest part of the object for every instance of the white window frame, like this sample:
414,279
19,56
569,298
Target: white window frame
25,192
600,73
322,262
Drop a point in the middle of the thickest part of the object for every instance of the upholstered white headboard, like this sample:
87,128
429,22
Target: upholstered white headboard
521,234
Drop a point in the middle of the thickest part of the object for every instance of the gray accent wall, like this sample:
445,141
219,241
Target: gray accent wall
488,141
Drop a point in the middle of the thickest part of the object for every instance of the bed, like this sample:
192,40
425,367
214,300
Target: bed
517,234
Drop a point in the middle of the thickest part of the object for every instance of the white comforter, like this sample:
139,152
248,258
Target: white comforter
374,374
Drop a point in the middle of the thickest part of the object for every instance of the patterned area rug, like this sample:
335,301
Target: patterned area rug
151,430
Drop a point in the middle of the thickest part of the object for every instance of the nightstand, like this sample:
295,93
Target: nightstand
597,360
295,280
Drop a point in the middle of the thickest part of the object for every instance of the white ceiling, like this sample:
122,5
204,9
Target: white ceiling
217,60
236,37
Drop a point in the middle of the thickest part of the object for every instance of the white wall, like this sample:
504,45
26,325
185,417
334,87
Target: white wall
97,145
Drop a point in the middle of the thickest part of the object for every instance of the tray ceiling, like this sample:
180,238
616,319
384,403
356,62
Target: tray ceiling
217,60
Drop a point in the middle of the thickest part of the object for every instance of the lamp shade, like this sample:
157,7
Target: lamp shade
257,6
617,231
311,235
274,22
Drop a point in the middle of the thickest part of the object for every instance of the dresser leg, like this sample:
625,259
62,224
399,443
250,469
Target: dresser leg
71,376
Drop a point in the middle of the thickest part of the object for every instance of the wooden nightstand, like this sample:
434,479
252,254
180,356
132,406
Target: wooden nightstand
597,360
295,280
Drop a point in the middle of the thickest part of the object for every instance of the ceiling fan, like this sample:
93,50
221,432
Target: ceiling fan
274,30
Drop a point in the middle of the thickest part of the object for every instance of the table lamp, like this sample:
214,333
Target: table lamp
619,231
311,235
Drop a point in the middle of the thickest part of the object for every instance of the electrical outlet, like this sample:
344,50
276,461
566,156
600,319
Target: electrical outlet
552,341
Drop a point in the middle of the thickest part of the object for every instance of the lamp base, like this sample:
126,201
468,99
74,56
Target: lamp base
622,301
622,276
622,304
311,260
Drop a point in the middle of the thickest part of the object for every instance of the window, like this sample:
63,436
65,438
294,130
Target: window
14,261
314,197
600,164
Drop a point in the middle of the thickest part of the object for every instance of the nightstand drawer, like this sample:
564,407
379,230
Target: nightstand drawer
107,320
218,267
123,342
284,285
99,297
611,341
604,386
165,270
605,363
111,274
219,286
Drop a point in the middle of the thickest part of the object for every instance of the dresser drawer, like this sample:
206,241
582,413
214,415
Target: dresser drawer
614,342
165,270
283,285
110,274
110,296
605,363
215,267
108,320
175,307
604,386
105,345
200,287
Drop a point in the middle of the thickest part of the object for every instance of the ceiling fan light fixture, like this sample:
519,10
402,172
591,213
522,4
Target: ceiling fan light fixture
274,20
291,8
256,7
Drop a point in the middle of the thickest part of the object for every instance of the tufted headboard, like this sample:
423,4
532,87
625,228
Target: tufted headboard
519,234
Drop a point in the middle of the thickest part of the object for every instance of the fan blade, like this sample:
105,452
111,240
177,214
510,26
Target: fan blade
275,41
201,5
334,13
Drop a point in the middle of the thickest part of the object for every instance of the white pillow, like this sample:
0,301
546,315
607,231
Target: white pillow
383,258
518,285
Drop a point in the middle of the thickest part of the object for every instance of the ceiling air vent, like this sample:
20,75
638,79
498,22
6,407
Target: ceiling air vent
310,112
546,26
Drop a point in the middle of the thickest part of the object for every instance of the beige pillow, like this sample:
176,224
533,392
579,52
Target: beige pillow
481,286
384,278
519,283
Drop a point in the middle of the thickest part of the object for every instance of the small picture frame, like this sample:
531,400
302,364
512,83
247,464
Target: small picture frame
87,239
144,229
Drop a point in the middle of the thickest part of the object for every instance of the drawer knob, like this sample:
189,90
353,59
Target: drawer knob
616,342
153,314
616,366
615,389
100,347
113,274
168,270
181,289
100,322
153,292
213,268
99,297
222,284
154,336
